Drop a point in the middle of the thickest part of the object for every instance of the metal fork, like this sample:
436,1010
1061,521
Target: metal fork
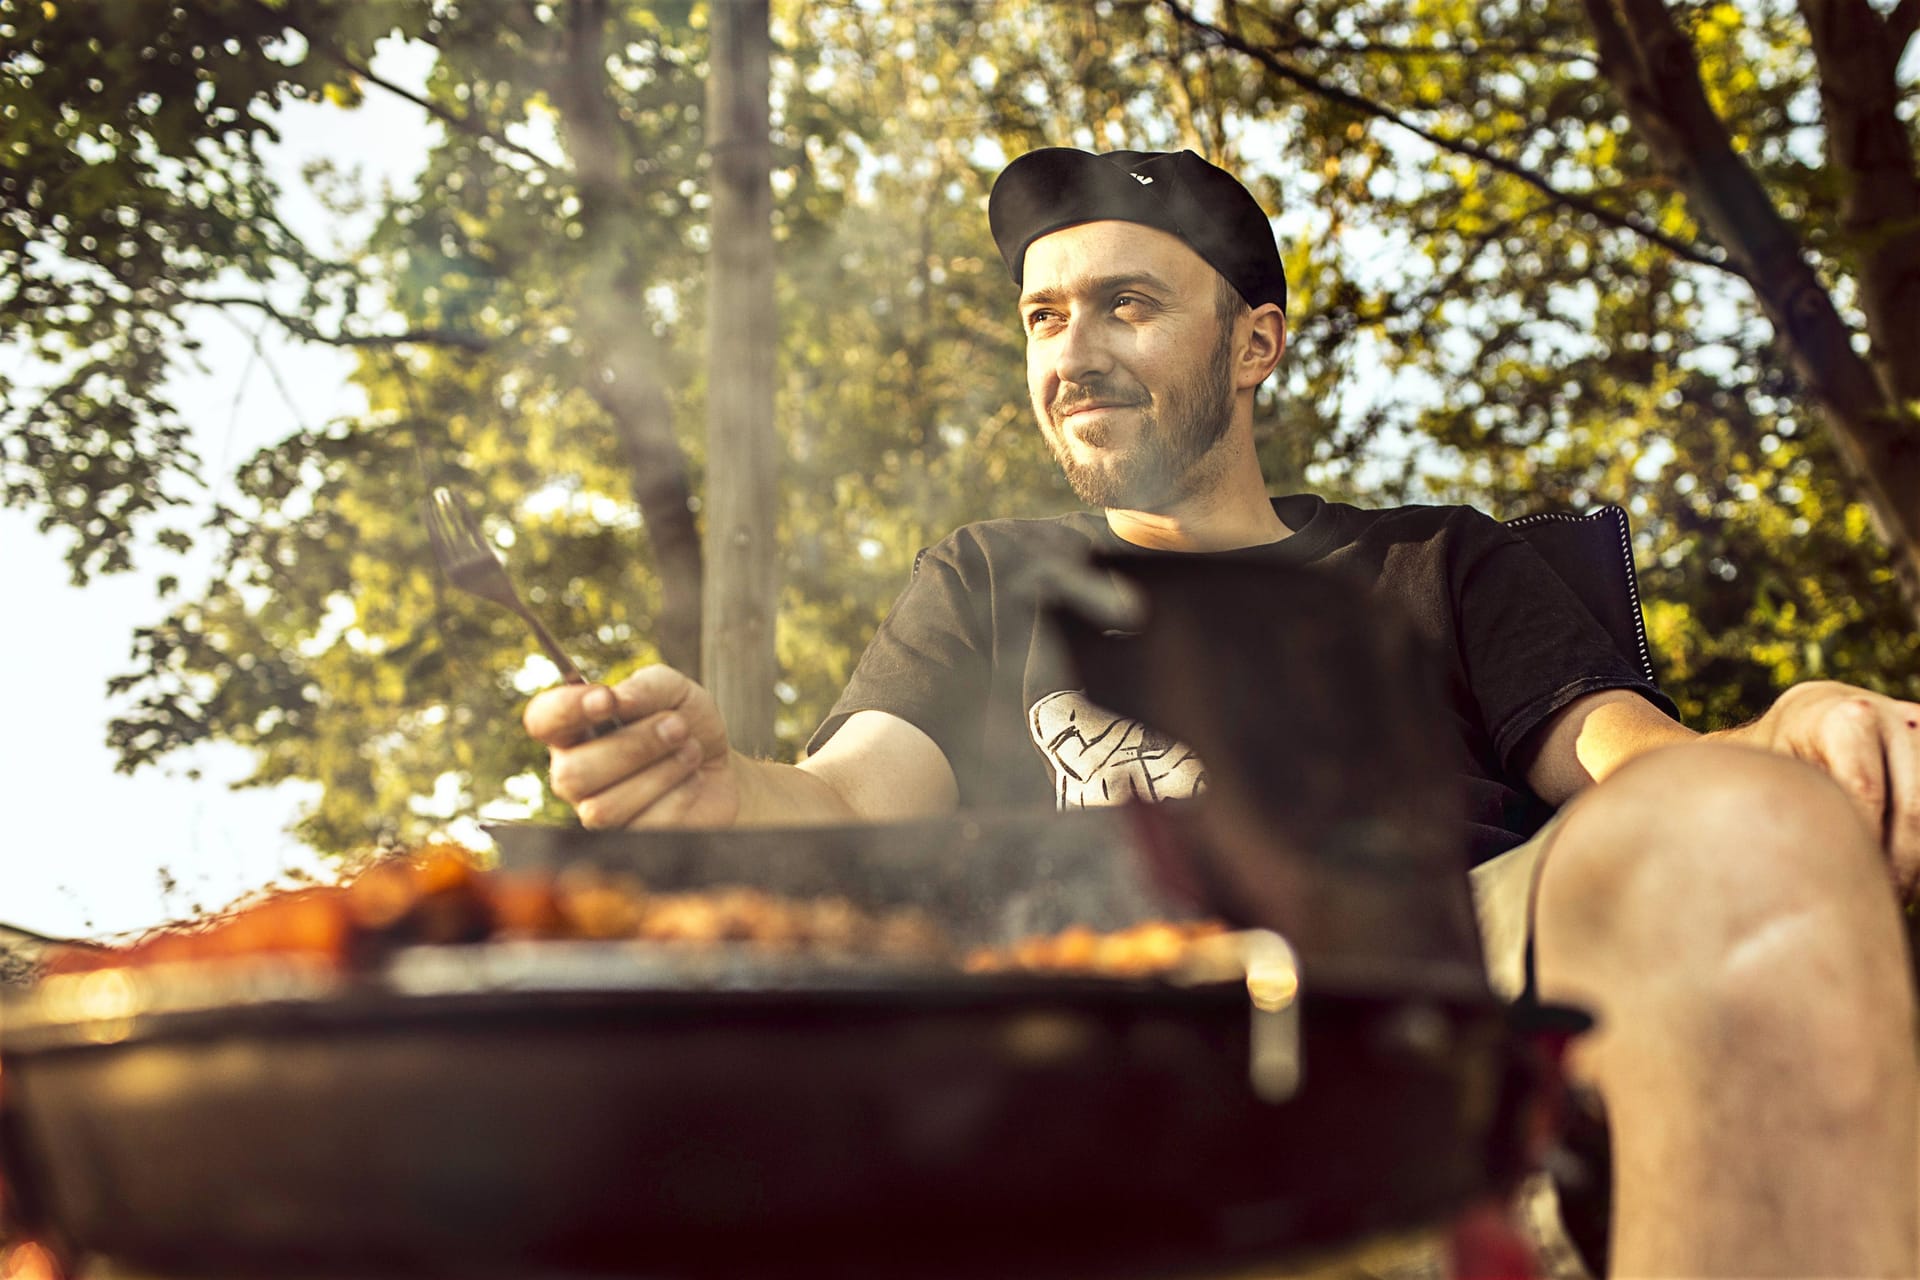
471,564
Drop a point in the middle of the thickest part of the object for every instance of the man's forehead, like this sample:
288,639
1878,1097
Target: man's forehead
1108,249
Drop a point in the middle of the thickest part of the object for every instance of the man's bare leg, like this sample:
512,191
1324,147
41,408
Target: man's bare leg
1729,919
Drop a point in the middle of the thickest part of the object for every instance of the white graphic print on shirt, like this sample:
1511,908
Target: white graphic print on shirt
1099,758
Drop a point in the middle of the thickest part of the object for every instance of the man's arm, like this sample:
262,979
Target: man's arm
1589,738
670,764
883,769
1867,742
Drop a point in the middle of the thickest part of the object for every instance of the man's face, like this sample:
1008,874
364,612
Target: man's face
1129,363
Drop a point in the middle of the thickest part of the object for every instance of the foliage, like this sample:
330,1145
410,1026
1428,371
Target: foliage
1558,324
530,321
553,246
131,184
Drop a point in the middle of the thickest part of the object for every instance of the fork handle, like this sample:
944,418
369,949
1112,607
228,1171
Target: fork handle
568,672
558,656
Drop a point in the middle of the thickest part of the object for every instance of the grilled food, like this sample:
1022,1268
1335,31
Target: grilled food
439,896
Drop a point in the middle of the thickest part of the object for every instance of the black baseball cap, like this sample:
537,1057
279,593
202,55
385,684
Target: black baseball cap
1175,191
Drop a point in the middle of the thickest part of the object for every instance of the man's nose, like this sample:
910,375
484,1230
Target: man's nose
1084,354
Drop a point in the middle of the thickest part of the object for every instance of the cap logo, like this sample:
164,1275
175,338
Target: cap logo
1142,179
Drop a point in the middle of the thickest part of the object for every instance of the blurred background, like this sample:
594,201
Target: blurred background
271,270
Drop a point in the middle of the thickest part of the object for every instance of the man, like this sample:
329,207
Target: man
1721,903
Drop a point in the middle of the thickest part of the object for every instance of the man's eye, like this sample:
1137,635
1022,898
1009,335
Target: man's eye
1128,300
1036,318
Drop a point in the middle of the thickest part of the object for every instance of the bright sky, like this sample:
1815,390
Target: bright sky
89,851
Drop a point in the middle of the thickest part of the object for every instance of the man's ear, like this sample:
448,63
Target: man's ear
1266,343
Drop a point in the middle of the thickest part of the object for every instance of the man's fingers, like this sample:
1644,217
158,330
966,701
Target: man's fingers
572,713
588,768
648,690
645,795
555,716
1849,745
675,806
1902,748
628,755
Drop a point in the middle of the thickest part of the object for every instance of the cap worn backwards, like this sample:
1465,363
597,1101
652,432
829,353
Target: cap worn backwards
1175,191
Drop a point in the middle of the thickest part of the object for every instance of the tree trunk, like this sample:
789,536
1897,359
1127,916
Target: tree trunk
643,419
615,329
1867,143
1651,64
737,647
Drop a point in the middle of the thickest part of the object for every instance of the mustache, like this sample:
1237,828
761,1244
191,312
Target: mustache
1071,398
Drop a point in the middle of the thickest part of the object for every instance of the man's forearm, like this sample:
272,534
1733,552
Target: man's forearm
875,767
775,794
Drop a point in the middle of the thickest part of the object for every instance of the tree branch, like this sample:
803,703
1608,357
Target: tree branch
465,124
1880,201
1339,323
273,372
1465,50
302,329
1652,65
1457,146
620,369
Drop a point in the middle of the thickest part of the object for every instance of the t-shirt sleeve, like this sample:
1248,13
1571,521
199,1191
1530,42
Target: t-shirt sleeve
1528,645
930,663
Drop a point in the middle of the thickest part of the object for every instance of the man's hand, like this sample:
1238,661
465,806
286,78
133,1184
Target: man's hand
1870,744
668,765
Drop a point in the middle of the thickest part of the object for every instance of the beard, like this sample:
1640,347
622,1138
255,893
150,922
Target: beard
1174,437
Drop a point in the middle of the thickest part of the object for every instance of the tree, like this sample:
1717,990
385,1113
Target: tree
140,192
1646,253
737,647
529,319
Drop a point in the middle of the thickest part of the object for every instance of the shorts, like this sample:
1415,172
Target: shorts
1565,1214
1504,890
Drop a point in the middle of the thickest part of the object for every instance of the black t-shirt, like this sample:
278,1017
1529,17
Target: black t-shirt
965,656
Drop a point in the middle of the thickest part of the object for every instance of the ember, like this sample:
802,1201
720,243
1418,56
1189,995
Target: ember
1155,947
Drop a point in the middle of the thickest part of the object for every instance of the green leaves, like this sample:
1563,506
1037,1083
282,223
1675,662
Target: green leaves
1474,318
1530,350
131,182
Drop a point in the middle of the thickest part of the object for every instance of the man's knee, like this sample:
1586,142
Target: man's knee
1712,833
1734,890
